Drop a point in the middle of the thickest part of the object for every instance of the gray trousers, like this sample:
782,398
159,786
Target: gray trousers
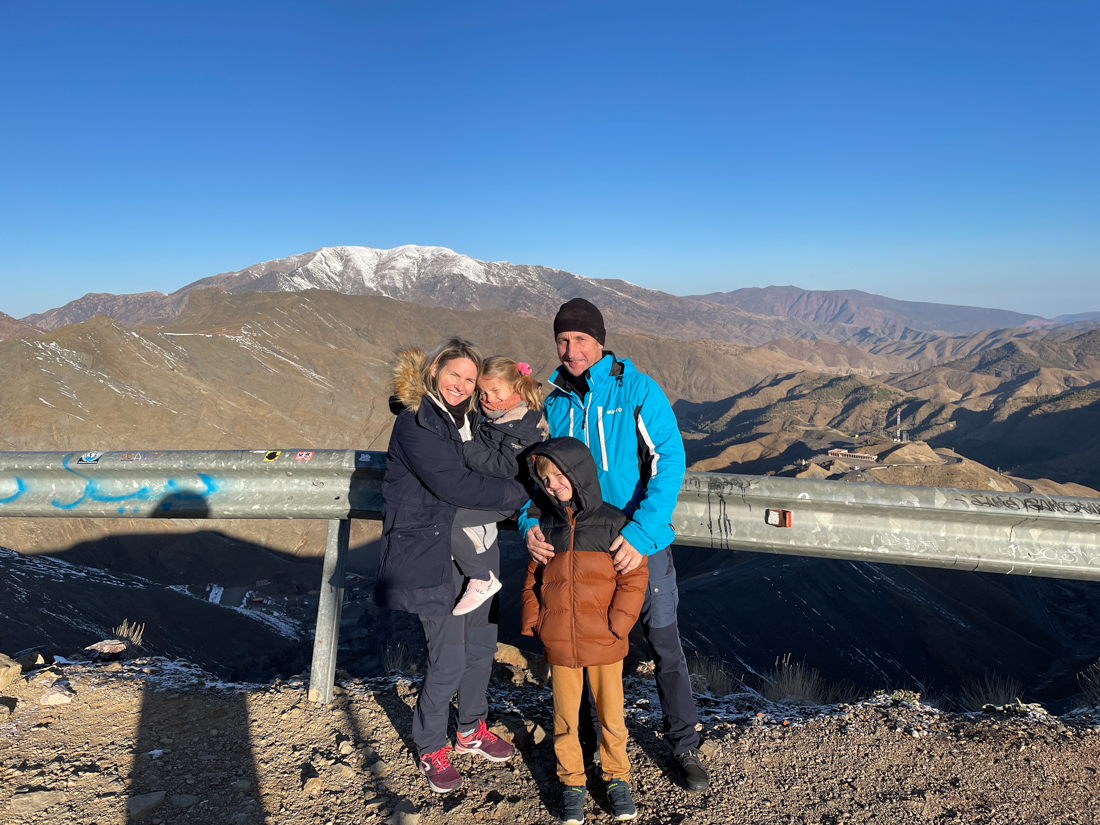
460,660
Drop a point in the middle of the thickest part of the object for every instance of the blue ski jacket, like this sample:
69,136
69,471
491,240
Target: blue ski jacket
628,424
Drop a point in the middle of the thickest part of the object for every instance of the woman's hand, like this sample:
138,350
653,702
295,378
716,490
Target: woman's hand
540,549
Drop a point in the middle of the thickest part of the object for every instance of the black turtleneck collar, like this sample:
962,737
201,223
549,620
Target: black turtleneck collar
578,383
457,411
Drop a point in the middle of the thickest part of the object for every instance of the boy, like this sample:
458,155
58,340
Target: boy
582,610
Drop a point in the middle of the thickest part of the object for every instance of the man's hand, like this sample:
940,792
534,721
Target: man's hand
540,549
625,557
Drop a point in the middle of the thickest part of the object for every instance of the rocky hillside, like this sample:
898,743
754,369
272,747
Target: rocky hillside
158,740
273,370
11,328
851,306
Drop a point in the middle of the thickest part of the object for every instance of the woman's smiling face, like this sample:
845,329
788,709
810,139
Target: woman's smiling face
456,380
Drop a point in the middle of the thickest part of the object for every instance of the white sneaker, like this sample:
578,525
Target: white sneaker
478,591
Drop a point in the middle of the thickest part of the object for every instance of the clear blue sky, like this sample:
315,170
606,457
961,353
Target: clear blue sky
938,151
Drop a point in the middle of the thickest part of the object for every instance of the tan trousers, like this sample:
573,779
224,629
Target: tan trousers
607,690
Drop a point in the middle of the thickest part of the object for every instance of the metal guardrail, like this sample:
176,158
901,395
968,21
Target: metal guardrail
1027,534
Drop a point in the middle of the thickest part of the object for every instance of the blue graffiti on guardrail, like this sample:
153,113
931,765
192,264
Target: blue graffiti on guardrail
173,492
20,488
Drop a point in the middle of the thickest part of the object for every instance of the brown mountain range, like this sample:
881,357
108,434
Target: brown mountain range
268,369
11,328
851,306
434,276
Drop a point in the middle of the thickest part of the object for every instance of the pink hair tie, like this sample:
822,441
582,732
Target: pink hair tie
524,368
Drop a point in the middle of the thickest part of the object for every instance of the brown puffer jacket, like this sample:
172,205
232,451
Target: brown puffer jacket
578,605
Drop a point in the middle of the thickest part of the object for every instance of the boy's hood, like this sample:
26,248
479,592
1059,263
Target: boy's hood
574,460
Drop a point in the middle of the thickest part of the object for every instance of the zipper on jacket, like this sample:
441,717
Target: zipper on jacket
584,421
571,516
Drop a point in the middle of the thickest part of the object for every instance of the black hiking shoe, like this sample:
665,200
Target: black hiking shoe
693,776
572,805
622,806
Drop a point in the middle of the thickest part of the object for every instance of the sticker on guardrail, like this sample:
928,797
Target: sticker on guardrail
304,455
91,457
272,455
778,518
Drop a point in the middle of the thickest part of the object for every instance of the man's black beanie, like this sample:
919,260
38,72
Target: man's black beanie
579,315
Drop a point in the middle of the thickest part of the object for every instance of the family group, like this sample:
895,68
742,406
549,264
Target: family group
591,471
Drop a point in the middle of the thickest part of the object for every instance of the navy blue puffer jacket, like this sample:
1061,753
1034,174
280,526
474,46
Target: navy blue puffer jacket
426,482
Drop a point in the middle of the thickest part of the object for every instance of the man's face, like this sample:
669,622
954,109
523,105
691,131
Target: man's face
577,352
556,483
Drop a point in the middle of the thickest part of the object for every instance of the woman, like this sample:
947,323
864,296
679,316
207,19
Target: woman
426,483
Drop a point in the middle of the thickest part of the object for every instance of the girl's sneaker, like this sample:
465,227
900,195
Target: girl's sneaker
572,805
484,742
478,591
442,776
622,806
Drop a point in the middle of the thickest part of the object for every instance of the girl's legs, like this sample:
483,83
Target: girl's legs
463,549
481,646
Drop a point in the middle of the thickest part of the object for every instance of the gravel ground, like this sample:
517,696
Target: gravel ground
163,742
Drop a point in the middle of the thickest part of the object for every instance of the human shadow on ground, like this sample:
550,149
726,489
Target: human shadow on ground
194,759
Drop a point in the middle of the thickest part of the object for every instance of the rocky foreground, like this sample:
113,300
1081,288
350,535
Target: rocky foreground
164,742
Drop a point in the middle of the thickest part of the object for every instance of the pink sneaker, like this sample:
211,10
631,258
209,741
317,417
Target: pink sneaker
485,743
478,591
442,776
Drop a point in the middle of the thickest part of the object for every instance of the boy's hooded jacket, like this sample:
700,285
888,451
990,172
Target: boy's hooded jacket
578,604
426,482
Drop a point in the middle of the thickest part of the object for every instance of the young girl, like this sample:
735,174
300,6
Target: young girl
511,401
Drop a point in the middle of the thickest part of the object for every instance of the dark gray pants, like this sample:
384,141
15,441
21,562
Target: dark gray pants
471,563
679,716
460,660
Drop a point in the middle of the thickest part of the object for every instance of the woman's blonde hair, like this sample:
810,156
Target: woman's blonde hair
446,351
507,371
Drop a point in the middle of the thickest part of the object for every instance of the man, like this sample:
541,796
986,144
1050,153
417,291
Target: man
626,421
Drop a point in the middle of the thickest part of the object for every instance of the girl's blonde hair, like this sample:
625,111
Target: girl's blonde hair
446,351
507,370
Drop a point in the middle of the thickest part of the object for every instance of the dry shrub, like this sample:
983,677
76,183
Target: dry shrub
796,680
714,674
1089,681
990,689
130,633
397,658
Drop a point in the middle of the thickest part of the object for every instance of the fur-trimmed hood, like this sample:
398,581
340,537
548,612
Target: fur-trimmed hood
408,388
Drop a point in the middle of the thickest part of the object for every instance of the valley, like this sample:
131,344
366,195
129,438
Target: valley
297,366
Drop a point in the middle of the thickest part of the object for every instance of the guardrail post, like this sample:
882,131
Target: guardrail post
327,635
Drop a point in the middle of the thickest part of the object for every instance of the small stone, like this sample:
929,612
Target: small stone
375,804
346,748
242,784
138,806
536,733
342,772
313,786
30,803
708,748
34,660
57,695
404,813
379,769
9,671
184,800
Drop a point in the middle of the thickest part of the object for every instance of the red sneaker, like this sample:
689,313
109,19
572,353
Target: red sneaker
442,776
485,743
